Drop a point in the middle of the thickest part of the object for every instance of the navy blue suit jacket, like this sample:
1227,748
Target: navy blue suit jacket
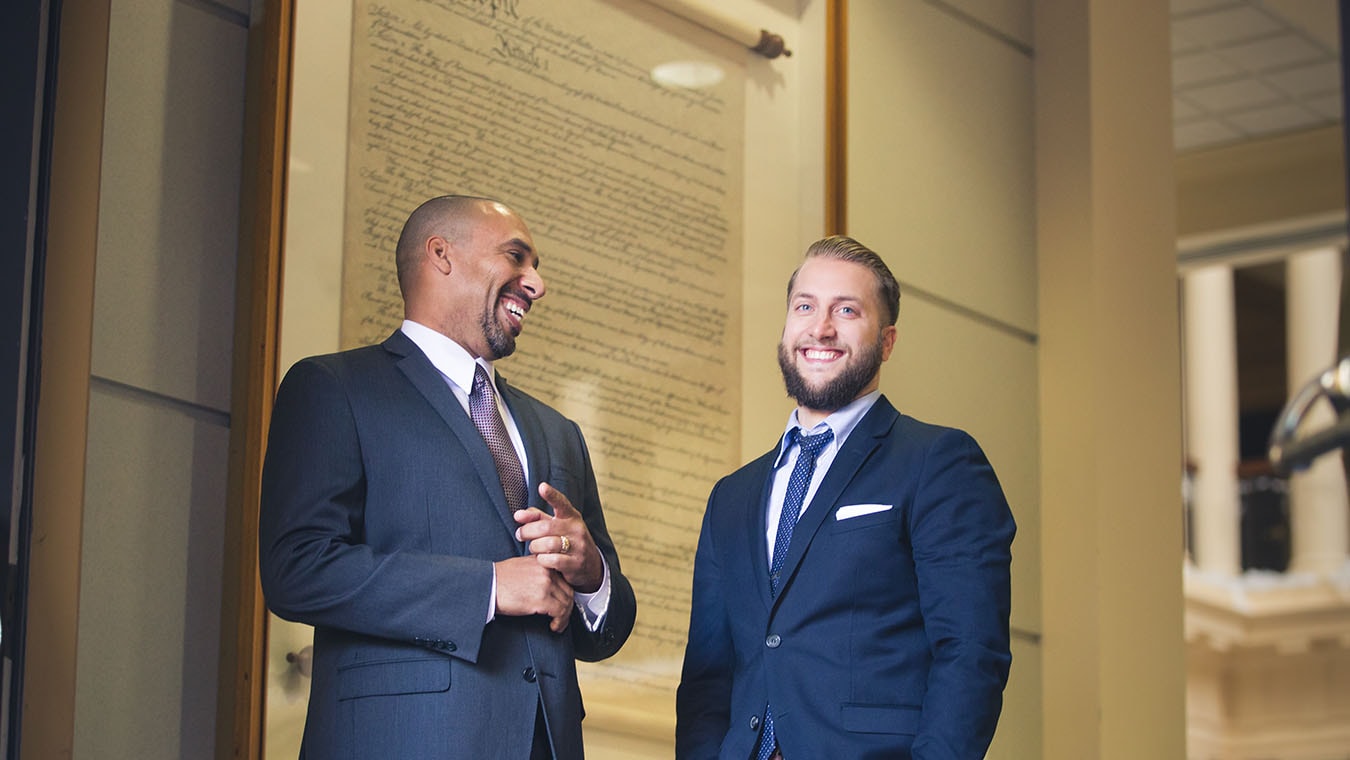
888,637
382,514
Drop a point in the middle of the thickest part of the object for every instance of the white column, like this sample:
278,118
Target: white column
1317,496
1212,417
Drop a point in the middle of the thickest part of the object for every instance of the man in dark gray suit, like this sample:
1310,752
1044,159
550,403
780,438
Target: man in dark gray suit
449,605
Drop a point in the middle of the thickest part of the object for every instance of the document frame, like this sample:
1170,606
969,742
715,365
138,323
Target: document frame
259,363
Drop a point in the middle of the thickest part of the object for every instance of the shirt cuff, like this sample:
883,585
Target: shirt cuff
594,606
492,595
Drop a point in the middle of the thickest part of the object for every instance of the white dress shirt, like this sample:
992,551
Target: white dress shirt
457,368
841,423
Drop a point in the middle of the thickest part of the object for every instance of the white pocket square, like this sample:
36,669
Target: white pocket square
858,510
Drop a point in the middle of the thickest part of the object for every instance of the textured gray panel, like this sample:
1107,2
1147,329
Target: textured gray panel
168,218
149,625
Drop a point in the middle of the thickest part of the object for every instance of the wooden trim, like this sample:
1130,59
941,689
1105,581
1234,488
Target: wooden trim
240,710
836,116
47,721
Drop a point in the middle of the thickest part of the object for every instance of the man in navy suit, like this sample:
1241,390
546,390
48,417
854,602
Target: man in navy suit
851,586
449,605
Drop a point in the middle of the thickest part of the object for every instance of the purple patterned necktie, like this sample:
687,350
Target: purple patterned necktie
798,484
483,410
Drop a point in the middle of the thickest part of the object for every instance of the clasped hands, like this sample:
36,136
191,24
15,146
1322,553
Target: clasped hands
562,560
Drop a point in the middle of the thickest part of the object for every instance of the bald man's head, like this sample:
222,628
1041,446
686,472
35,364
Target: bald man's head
468,269
447,217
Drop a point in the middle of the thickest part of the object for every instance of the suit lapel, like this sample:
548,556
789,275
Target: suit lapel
865,439
432,385
756,542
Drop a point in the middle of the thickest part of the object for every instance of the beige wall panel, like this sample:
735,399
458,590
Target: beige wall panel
312,295
951,370
940,183
940,156
785,207
164,303
1019,728
1011,18
150,587
1110,383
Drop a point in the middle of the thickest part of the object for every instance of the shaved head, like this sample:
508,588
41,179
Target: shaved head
468,269
444,216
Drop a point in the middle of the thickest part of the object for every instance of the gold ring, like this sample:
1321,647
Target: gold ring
566,544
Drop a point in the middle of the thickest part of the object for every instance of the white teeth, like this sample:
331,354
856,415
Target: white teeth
819,354
515,308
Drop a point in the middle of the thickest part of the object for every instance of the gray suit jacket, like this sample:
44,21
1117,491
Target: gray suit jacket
381,516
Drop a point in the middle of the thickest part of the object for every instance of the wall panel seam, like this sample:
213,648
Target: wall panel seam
1028,336
220,11
983,28
199,412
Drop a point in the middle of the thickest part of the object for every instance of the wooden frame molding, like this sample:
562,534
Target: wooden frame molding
243,646
46,727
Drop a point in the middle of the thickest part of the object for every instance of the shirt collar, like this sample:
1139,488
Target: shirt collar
446,355
841,422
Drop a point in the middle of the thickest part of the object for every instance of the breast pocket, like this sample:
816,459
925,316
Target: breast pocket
852,517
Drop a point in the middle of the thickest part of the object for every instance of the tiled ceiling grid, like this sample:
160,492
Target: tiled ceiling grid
1247,69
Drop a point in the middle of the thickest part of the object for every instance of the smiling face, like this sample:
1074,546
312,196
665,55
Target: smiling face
483,279
835,337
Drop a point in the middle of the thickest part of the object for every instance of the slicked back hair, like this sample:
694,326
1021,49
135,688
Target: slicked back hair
845,248
444,216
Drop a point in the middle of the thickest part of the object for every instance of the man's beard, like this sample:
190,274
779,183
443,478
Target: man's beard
837,392
499,339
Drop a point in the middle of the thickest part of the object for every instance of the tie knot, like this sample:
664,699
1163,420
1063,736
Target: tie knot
481,383
811,444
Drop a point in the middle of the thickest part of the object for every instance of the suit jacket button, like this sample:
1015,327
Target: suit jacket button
450,646
528,675
773,640
754,722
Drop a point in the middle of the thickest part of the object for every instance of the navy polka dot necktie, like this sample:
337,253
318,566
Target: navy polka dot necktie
798,483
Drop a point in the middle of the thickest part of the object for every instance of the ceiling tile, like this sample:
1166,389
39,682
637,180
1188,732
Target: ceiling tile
1186,7
1233,96
1244,69
1329,107
1225,26
1273,53
1315,80
1282,118
1182,44
1201,133
1319,19
1184,111
1198,68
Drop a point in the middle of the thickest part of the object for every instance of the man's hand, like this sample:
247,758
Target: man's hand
561,541
526,587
